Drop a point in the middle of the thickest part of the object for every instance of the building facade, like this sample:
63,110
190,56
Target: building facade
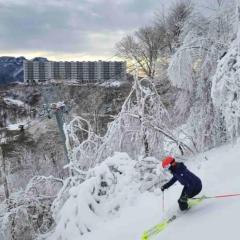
82,72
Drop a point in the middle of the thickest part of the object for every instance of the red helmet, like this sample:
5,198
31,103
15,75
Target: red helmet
166,162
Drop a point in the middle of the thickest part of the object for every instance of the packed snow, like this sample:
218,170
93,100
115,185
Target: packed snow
126,211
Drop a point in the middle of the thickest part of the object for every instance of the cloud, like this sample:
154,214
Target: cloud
72,28
90,27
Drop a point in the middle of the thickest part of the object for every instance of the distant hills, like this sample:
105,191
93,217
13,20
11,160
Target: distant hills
11,69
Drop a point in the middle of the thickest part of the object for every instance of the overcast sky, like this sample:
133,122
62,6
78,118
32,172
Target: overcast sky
70,29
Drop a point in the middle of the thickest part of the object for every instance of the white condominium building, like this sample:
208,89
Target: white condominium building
83,72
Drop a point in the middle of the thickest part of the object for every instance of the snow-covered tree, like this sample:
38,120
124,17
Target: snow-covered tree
226,83
141,129
108,187
204,41
150,43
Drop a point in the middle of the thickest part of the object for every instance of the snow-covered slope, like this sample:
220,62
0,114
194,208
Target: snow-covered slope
137,211
11,69
214,218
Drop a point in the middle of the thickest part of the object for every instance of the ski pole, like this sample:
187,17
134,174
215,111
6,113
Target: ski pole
163,207
219,196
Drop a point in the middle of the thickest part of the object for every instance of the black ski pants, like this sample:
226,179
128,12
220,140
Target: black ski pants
183,200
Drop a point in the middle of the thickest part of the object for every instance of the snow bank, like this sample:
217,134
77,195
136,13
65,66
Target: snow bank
109,187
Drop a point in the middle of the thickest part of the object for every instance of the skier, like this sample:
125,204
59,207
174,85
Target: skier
192,184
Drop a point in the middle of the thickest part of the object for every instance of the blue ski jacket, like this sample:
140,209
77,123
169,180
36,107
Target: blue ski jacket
190,181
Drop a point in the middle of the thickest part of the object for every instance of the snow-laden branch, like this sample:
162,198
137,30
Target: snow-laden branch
42,187
142,128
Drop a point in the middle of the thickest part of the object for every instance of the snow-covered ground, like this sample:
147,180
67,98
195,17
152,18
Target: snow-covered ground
15,126
11,101
212,219
114,83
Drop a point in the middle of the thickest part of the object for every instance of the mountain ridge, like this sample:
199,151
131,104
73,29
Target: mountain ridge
11,68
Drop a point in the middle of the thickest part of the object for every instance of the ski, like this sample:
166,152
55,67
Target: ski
196,201
155,230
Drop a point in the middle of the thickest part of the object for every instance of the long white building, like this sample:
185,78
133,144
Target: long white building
83,72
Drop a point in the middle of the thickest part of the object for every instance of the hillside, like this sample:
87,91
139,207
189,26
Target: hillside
22,104
214,218
84,161
11,69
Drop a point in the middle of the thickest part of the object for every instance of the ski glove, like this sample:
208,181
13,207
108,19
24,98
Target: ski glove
163,188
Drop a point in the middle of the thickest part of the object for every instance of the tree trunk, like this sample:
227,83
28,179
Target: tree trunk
146,145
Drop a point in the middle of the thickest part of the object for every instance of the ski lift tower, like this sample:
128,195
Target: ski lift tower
58,110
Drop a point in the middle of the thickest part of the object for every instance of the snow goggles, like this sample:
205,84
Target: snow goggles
166,169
